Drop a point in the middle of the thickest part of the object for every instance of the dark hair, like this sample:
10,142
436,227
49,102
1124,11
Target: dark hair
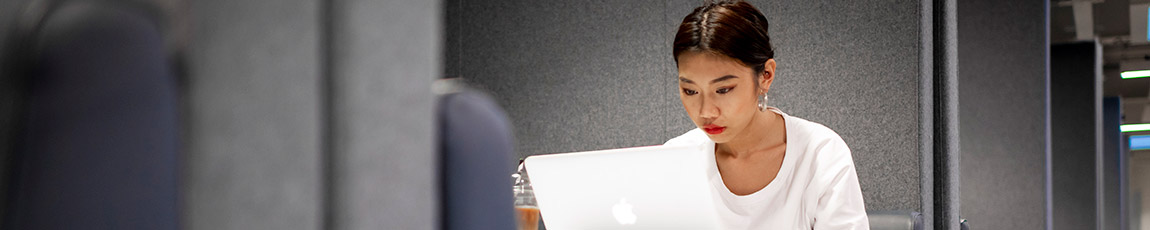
731,28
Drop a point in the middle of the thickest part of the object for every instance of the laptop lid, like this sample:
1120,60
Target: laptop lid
656,187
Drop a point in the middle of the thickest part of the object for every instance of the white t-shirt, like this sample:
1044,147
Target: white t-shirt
816,188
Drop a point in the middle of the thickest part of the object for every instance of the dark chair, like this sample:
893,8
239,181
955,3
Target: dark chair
476,148
97,142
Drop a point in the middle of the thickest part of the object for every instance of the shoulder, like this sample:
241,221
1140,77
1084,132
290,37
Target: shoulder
692,137
825,159
812,134
822,147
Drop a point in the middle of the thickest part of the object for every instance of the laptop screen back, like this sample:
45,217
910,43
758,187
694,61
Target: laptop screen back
657,187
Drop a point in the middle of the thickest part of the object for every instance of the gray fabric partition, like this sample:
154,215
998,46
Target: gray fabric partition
253,154
865,86
383,58
1075,110
300,114
584,75
312,115
1003,112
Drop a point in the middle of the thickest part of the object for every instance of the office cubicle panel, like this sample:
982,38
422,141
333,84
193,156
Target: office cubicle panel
254,125
311,115
383,57
1003,110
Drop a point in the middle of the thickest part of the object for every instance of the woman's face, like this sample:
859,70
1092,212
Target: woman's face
719,93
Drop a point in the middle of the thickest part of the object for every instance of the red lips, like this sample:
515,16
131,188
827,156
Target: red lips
713,129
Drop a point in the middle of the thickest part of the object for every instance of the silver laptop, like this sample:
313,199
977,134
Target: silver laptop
657,187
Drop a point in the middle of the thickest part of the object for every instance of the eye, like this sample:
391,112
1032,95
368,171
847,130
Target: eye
689,92
724,90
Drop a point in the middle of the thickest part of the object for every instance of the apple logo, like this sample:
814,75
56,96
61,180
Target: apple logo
624,212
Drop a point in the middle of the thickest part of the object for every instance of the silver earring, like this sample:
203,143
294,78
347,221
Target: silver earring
763,102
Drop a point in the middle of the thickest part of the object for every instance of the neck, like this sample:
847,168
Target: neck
766,130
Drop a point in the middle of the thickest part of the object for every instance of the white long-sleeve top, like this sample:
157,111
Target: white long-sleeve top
816,187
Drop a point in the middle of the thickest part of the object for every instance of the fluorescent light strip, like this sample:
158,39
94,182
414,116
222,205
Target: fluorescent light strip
1135,74
1135,127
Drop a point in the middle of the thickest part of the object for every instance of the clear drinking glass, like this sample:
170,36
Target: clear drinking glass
525,207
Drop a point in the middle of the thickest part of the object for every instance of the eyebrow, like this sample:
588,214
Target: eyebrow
724,78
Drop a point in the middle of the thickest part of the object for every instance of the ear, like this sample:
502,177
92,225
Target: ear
768,75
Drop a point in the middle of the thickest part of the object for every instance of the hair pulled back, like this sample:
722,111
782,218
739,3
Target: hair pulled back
730,28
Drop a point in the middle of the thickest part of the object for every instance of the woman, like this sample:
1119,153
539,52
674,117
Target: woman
772,170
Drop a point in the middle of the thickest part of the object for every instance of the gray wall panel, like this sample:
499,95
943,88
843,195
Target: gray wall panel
384,56
253,126
572,75
1075,110
1002,74
583,75
452,27
854,67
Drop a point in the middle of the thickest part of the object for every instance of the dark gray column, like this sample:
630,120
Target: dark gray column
1113,165
1075,110
11,94
1003,112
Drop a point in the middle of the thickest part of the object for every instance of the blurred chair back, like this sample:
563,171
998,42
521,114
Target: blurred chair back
895,220
97,145
475,144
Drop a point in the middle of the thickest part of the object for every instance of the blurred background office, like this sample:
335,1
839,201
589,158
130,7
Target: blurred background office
309,114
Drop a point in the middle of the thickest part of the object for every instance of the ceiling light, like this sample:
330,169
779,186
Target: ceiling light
1134,127
1135,74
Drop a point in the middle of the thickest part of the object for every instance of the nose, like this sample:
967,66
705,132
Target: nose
708,111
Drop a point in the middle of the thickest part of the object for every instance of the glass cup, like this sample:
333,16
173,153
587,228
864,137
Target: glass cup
525,207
